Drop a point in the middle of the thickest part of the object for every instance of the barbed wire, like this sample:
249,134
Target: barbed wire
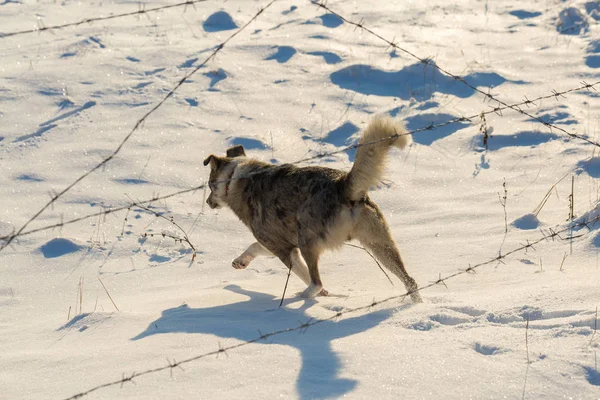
304,326
55,197
103,213
141,10
494,110
430,62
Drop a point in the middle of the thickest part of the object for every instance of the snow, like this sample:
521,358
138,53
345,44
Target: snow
96,301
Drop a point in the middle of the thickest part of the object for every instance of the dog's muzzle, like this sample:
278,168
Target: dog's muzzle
212,203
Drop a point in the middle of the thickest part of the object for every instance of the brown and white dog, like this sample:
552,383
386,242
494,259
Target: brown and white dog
295,213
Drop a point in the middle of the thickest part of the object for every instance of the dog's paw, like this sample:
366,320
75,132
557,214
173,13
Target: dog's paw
311,291
416,297
239,263
323,292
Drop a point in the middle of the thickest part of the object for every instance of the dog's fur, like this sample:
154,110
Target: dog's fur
295,213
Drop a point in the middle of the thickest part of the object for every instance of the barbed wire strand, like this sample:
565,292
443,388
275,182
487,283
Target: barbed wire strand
96,19
302,327
55,197
432,126
489,96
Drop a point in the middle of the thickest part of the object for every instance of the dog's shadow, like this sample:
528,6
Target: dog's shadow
319,372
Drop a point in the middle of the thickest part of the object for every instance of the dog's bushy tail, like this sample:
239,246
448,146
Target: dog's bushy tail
381,134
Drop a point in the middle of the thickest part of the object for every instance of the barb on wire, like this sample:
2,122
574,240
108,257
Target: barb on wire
140,11
55,197
302,327
486,95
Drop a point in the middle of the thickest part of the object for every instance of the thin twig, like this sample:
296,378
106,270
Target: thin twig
81,295
503,202
374,259
109,296
572,200
595,326
125,221
527,339
563,261
539,207
185,237
286,285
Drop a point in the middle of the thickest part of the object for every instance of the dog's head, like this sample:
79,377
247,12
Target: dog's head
220,174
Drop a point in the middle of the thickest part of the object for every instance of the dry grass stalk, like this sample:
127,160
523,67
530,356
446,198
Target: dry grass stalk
183,239
108,294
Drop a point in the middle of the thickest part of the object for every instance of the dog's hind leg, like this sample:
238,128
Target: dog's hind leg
293,260
300,268
373,232
254,250
310,253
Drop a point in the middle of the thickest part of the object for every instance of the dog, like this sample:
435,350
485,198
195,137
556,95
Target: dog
296,213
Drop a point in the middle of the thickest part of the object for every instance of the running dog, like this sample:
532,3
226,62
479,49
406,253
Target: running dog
296,213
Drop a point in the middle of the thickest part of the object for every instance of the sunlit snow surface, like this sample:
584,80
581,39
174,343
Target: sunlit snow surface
297,83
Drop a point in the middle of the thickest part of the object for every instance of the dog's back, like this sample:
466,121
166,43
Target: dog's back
271,198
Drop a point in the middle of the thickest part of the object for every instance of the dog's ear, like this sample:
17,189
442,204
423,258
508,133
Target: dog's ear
236,151
213,160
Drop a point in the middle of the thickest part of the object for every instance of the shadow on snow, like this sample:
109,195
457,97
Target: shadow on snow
50,124
219,21
519,139
282,54
418,81
427,137
319,372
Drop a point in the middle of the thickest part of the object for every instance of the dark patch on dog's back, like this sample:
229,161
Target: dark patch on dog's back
283,200
330,212
280,212
280,172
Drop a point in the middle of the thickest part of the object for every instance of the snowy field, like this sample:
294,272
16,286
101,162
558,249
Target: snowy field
109,298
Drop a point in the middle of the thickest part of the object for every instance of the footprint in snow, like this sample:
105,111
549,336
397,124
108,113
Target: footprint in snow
488,350
561,323
83,322
571,21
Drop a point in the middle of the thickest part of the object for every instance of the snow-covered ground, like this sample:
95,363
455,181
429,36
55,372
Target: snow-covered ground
299,82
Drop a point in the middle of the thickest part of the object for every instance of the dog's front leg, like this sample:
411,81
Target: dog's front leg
254,250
